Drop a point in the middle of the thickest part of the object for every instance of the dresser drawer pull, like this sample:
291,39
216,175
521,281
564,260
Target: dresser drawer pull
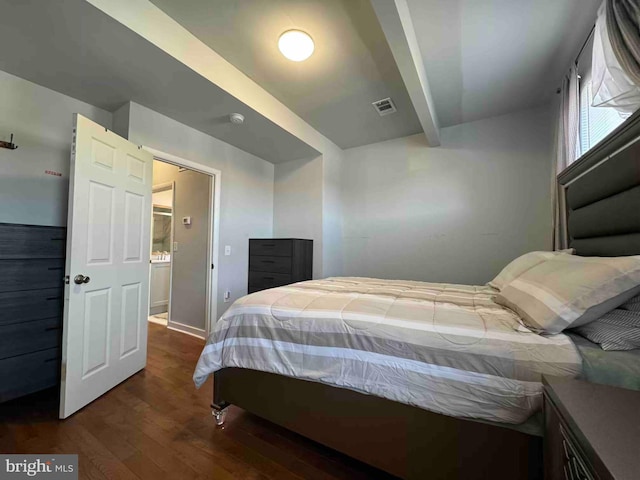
58,239
49,329
54,359
49,299
268,244
268,261
54,268
268,278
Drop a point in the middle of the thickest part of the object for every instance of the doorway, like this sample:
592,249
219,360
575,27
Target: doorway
184,255
162,226
182,233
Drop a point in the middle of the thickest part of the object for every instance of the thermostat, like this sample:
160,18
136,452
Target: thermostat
186,220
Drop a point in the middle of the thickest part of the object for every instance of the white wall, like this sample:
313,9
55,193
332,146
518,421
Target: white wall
456,213
332,247
246,192
41,121
297,204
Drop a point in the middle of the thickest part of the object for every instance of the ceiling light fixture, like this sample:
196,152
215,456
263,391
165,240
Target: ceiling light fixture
296,45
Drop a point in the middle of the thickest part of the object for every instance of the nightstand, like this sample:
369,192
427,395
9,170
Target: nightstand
592,431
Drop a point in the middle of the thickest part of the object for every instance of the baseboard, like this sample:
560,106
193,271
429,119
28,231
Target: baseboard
188,329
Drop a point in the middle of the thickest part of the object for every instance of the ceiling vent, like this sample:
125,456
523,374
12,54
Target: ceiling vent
385,107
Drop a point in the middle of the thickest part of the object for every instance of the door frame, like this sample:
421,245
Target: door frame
213,250
161,187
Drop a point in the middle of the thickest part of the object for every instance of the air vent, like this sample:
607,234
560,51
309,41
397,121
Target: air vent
385,107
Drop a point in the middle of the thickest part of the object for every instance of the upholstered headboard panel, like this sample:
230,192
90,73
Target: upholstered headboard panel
602,199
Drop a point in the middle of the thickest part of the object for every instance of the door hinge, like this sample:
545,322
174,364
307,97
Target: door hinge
212,266
66,279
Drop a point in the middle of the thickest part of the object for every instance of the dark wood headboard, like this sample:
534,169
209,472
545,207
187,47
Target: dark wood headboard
600,196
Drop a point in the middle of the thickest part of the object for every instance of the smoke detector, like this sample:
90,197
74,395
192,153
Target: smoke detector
384,107
236,118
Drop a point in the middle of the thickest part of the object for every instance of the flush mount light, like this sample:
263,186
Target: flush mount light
296,45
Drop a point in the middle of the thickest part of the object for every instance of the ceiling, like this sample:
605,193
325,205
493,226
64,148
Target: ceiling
75,49
482,58
490,57
351,67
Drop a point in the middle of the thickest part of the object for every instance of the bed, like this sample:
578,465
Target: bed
425,380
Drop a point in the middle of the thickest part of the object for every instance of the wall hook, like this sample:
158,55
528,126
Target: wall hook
10,145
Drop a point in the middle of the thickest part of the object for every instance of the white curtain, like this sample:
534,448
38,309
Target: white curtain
615,57
566,146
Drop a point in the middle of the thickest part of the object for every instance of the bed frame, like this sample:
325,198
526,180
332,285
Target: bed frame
600,200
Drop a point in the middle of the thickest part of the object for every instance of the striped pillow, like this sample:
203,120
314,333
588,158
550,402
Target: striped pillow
633,304
517,267
616,330
569,290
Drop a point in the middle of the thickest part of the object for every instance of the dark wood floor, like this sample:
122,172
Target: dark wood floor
156,425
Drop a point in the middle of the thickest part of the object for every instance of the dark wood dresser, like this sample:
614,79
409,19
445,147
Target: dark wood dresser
32,263
592,431
275,262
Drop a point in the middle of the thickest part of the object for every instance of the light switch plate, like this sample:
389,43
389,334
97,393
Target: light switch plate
227,250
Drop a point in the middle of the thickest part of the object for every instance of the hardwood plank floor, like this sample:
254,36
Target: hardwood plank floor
156,425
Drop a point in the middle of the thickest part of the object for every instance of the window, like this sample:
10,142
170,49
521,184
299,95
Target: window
595,122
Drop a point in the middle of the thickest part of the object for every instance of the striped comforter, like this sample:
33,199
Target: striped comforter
445,348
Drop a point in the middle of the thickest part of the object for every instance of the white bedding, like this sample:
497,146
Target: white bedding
445,348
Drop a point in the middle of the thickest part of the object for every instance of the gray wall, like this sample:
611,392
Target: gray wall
456,213
297,204
246,193
332,216
308,204
189,263
41,121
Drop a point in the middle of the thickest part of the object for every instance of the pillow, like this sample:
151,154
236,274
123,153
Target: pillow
568,290
521,264
633,304
617,330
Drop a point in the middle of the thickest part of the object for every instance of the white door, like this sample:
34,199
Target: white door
107,295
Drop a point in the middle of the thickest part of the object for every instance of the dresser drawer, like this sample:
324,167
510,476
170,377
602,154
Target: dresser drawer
27,337
30,274
276,248
270,264
263,280
22,306
25,241
29,373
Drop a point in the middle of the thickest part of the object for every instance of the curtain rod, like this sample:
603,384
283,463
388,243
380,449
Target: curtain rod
593,29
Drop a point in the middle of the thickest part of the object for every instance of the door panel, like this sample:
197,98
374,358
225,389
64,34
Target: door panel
105,327
130,319
100,236
97,317
134,227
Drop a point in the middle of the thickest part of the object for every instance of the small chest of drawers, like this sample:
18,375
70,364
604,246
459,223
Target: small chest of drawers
31,301
274,262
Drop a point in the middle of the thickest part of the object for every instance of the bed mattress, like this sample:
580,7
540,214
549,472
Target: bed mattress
445,348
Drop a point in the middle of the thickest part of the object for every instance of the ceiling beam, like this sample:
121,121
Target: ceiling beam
155,26
395,19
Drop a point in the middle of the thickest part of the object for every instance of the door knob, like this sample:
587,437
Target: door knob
80,279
